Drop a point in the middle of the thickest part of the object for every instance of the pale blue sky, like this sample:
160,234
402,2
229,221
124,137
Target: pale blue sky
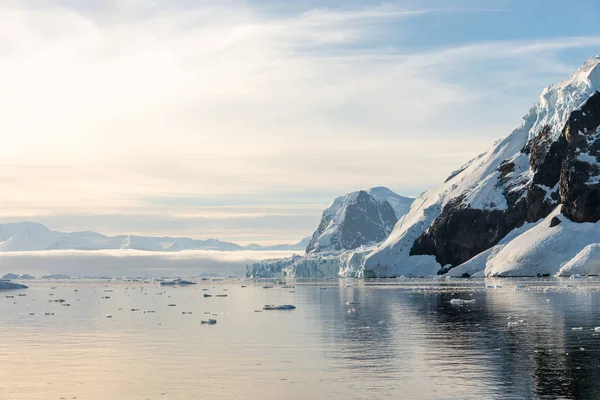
242,120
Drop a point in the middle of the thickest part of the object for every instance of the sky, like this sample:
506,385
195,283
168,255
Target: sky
242,120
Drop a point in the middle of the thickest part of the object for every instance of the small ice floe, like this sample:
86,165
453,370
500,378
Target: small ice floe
577,328
209,321
516,324
460,302
281,307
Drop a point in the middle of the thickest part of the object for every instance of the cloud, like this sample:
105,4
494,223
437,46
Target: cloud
119,263
107,106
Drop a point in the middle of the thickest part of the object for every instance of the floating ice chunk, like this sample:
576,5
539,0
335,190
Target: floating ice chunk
516,324
281,307
460,302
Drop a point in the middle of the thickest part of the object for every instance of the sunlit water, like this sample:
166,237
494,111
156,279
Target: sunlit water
404,340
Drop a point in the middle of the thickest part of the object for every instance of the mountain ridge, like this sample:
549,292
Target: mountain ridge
511,211
33,236
358,218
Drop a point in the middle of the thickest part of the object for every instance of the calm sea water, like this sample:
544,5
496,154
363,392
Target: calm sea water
404,340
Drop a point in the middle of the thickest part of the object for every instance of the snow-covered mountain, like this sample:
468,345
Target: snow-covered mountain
530,205
360,218
353,222
552,159
31,236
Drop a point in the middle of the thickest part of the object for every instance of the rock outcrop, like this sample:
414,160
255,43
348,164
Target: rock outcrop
360,218
552,159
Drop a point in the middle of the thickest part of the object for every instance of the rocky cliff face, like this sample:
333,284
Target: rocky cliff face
357,219
580,173
552,159
565,170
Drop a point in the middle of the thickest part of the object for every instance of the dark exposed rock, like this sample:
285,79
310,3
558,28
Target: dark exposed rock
579,189
460,233
554,222
455,173
365,221
505,168
565,169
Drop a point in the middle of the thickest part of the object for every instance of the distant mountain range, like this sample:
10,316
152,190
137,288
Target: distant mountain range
32,236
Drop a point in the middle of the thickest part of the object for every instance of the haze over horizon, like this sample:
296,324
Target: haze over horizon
242,121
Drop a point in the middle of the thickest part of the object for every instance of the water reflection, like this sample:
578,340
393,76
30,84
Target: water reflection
401,339
399,327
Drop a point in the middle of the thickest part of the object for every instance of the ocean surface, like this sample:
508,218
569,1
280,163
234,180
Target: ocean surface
346,339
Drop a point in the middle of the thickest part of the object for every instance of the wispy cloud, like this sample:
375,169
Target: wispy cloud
118,263
108,105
